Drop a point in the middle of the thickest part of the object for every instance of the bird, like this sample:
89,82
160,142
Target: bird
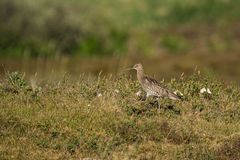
151,86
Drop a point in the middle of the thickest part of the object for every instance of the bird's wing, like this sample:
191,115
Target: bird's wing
152,81
160,88
154,85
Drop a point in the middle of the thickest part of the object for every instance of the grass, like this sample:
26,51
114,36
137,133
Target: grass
102,118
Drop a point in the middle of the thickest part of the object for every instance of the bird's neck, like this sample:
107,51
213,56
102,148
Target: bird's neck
140,75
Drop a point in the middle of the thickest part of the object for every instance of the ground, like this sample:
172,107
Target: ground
103,118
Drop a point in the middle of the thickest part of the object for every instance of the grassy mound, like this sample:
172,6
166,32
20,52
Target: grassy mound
104,118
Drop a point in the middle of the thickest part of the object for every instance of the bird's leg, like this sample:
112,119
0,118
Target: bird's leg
144,96
150,99
147,97
156,99
159,105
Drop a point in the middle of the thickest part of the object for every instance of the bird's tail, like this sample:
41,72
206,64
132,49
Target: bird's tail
174,96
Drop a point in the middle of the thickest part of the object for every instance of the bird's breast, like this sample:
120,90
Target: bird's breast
150,90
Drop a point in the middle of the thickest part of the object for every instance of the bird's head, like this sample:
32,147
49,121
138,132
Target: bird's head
138,66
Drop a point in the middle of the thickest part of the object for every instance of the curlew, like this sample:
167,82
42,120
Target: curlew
151,86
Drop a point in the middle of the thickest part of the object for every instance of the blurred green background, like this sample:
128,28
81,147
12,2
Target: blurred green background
169,37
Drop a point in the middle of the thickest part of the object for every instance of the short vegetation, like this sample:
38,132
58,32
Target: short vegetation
103,118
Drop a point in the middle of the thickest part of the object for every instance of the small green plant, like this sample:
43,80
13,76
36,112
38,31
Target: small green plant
17,80
17,83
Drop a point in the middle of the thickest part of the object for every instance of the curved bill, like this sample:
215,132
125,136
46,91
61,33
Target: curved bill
128,69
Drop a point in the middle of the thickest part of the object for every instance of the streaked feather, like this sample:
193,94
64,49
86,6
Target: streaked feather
154,88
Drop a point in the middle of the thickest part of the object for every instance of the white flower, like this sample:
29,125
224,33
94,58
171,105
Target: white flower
116,90
139,93
99,95
88,105
177,92
203,90
208,91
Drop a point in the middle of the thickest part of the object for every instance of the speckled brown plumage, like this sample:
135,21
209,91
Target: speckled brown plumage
151,86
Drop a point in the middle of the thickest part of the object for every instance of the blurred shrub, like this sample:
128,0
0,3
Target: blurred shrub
50,28
213,11
174,44
47,28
